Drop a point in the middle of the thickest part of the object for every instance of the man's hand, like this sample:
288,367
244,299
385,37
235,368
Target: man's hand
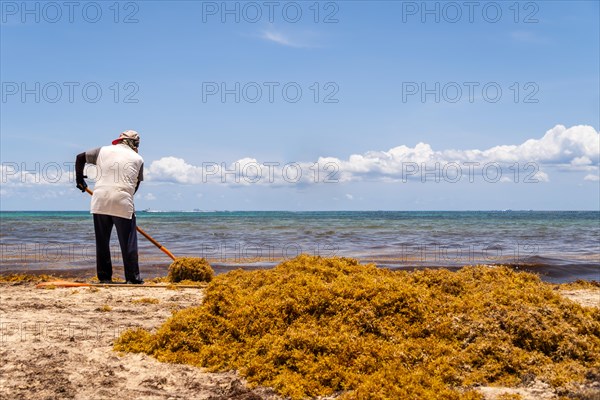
81,185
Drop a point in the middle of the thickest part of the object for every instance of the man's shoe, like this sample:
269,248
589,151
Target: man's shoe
106,281
140,282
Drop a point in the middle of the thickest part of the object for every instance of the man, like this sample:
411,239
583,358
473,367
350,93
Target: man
120,169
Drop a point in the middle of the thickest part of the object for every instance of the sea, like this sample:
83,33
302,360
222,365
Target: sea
560,246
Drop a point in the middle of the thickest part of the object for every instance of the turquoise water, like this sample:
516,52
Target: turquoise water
561,245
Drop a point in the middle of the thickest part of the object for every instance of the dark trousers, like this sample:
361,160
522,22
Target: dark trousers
127,235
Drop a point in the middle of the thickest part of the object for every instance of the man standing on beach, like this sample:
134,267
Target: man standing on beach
120,169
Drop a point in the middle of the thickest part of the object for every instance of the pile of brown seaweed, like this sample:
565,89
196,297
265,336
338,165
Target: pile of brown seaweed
317,326
18,279
190,269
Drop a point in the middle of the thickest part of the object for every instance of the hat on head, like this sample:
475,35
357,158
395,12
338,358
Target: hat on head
133,135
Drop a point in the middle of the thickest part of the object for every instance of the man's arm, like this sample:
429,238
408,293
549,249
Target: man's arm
89,157
140,178
79,165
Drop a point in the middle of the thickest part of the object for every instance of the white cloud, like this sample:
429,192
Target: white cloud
278,38
150,197
175,170
349,196
558,146
34,174
296,38
581,161
541,176
573,149
593,178
243,172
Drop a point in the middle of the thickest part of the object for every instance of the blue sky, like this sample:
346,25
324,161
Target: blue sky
361,68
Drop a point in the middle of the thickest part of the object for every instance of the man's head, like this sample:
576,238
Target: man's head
130,138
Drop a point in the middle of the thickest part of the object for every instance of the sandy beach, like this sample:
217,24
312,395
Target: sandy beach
57,343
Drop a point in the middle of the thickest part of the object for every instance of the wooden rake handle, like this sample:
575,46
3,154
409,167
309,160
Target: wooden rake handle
150,238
